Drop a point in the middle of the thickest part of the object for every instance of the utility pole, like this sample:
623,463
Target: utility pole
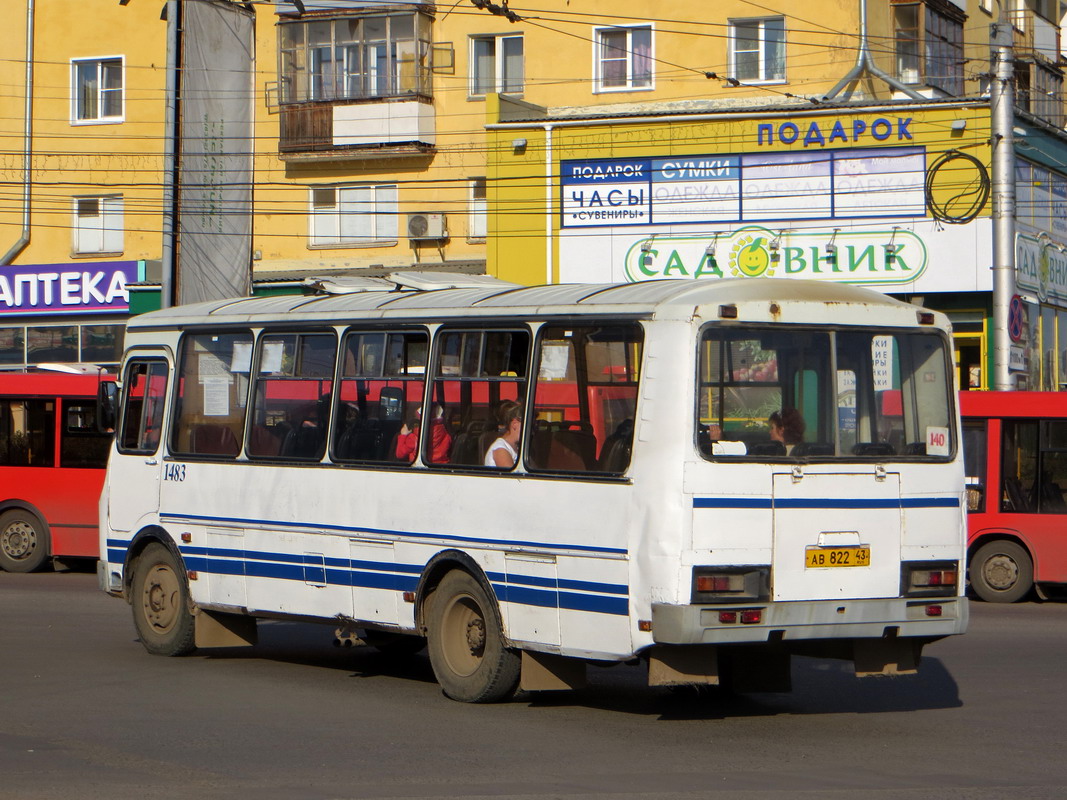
1002,143
170,135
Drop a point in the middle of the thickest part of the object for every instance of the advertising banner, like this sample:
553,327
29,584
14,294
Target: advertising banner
215,175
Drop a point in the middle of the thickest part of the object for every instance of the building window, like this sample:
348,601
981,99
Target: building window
97,225
478,225
1037,90
496,65
353,215
97,90
352,58
757,49
623,58
929,45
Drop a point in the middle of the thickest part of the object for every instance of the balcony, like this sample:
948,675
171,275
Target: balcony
356,131
1035,36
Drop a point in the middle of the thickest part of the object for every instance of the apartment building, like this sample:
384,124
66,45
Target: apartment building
471,136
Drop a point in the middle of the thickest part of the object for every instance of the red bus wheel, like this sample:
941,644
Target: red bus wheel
1001,572
23,541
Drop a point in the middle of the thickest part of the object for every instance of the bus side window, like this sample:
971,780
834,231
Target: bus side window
585,400
80,444
292,395
476,373
209,413
1053,473
383,375
1019,468
27,431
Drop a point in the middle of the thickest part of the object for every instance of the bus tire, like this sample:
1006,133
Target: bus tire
1001,571
466,642
160,600
24,541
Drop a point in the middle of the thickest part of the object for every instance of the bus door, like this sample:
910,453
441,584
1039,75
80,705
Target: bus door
138,460
836,535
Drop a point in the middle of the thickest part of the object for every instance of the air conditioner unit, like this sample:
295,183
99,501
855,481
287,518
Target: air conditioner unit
426,226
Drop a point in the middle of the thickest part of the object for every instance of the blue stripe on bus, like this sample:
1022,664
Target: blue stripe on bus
604,598
346,529
826,502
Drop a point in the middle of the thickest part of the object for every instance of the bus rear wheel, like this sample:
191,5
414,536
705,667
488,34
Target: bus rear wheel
466,642
160,598
23,541
1001,572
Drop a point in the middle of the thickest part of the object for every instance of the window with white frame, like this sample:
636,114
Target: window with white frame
757,49
478,224
623,58
98,224
353,215
96,90
496,65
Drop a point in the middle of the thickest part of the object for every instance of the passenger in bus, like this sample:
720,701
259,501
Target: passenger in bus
787,427
407,442
504,452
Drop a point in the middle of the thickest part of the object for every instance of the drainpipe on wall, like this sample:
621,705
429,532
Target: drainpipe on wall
27,142
865,63
549,194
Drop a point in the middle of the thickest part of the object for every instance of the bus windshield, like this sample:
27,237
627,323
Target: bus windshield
777,393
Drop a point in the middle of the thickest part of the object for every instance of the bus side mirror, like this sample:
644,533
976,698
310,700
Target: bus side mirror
107,398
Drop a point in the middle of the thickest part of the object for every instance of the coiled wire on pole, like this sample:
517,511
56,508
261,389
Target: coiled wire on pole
975,193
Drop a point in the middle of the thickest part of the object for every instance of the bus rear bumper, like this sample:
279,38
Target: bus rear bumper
929,618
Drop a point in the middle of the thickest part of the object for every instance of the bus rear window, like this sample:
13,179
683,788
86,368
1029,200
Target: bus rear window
772,393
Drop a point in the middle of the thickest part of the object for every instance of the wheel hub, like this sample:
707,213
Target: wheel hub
18,540
160,599
1001,572
476,636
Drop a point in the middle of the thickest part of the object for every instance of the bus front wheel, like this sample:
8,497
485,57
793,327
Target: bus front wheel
160,599
23,541
466,642
1001,572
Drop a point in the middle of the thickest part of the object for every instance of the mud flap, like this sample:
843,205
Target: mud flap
546,672
886,656
683,665
215,629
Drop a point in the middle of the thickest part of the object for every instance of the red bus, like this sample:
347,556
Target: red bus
52,461
1015,452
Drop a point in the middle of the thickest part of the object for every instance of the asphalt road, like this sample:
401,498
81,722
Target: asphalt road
86,713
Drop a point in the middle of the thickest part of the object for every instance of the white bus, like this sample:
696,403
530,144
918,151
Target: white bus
264,467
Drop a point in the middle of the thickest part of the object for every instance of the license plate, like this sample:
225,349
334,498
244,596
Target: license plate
852,556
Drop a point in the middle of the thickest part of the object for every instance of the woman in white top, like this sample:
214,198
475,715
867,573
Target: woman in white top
504,451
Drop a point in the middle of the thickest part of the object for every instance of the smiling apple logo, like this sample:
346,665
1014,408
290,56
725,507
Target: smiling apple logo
749,258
